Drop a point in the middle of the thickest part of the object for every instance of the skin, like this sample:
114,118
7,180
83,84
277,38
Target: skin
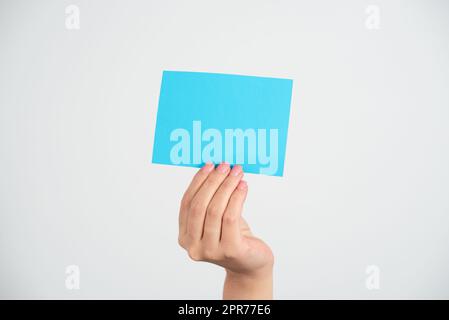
211,229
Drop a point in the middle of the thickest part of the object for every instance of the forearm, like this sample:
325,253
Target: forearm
249,286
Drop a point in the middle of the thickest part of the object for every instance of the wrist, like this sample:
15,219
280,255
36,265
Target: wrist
256,284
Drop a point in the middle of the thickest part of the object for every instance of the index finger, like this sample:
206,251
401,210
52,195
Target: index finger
192,189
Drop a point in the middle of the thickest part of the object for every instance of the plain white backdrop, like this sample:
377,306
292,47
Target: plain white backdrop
366,180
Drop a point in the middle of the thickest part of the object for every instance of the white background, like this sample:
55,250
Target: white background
366,178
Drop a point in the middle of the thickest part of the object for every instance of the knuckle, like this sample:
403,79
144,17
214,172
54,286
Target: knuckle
196,207
209,254
229,219
182,242
213,179
230,183
190,236
238,195
185,201
194,254
209,231
214,211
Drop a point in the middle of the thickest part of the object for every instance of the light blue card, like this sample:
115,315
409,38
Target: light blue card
221,117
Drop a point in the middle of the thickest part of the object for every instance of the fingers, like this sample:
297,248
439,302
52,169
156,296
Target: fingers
230,233
218,204
197,181
211,214
194,186
200,202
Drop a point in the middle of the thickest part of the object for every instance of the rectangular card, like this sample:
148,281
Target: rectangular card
221,117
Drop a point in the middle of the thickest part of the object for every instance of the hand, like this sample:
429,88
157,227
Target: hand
211,229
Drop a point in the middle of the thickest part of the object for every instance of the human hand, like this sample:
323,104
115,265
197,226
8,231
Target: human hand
211,229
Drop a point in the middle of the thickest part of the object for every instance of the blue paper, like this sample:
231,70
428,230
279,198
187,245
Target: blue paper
221,117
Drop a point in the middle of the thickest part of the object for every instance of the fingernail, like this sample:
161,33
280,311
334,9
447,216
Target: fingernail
223,167
208,167
236,170
242,185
